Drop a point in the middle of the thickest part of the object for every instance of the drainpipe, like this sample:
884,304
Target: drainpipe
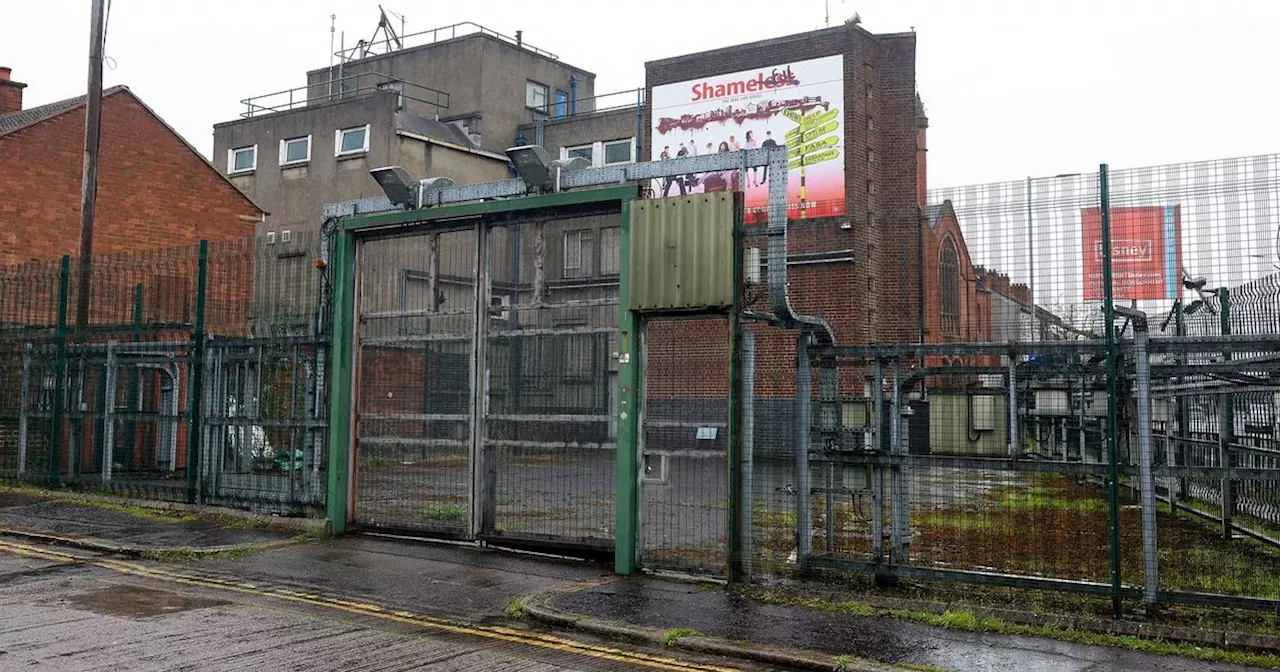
813,331
920,269
573,94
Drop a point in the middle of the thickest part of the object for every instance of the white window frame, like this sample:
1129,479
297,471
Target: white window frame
597,151
284,144
529,87
337,141
631,151
564,153
231,160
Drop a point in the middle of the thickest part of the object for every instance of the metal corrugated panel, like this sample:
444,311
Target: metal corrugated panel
682,252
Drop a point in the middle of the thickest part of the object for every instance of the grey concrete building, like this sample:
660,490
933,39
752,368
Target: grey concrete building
445,103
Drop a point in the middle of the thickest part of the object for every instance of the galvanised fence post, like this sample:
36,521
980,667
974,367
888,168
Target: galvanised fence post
197,371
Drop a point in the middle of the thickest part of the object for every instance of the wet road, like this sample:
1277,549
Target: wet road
80,611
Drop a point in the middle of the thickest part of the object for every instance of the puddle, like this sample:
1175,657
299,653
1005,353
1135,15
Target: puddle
138,602
12,499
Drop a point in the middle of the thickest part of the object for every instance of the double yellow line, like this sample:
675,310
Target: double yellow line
366,609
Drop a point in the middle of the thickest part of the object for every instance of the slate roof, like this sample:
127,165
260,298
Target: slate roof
16,121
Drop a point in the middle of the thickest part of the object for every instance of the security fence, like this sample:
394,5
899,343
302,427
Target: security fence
1090,404
1063,384
193,373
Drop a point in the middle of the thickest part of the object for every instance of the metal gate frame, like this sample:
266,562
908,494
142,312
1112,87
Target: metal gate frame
344,266
620,184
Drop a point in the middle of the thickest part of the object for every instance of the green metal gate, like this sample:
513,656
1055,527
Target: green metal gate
483,369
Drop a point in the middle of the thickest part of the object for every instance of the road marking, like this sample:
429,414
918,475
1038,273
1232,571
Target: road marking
367,609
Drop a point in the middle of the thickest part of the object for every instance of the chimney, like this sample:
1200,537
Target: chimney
10,93
922,158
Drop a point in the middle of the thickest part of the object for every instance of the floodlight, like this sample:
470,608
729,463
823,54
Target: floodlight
533,165
403,190
397,185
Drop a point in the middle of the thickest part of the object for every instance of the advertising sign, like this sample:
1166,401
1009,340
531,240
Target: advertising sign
797,104
1146,253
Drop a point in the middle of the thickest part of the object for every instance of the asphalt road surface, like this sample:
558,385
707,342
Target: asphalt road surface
65,610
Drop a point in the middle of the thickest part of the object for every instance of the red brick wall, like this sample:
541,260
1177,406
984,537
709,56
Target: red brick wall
153,190
156,200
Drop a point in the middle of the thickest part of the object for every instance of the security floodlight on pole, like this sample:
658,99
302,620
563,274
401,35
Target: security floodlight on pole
89,180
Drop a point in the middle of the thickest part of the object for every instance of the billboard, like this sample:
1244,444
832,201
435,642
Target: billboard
1146,252
797,104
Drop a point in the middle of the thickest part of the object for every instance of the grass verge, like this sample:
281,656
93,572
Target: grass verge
962,620
670,637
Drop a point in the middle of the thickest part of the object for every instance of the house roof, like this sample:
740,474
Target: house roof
15,121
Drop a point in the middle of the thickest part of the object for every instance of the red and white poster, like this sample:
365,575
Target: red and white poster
796,104
1146,253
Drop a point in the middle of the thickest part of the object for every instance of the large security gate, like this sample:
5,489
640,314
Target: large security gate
485,381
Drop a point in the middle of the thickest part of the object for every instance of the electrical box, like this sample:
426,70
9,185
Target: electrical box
1161,410
856,477
1053,403
854,415
984,412
682,252
751,271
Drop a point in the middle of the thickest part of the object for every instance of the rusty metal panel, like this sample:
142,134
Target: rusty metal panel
682,253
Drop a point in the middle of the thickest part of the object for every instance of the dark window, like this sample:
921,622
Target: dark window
949,288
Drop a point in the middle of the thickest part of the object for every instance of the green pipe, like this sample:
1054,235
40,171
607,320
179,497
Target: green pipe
1109,312
197,376
59,372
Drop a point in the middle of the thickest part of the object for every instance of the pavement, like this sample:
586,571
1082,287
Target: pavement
461,601
98,523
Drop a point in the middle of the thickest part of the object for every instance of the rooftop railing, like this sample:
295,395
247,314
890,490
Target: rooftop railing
605,102
336,88
364,49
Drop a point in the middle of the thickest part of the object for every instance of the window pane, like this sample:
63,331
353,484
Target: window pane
584,152
353,140
562,103
244,158
617,152
572,250
610,247
535,95
295,150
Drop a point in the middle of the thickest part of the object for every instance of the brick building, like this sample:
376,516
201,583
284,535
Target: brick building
154,189
155,192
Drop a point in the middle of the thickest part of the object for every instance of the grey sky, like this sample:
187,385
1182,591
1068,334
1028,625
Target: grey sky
1013,87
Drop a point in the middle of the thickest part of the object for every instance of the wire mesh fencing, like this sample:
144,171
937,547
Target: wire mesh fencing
117,384
684,427
1085,403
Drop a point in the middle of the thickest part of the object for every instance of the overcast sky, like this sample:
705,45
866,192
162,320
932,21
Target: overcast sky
1013,87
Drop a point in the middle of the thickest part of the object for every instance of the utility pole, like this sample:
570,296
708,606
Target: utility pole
89,183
